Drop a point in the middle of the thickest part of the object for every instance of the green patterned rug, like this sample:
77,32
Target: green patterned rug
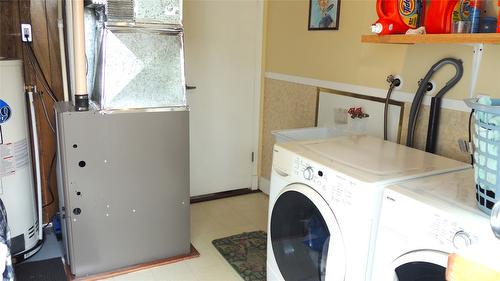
246,253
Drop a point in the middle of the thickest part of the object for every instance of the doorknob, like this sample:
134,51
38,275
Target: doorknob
190,87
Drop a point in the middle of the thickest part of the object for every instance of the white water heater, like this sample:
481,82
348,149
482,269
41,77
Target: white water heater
17,189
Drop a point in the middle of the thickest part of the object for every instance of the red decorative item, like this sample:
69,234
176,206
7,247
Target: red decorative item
357,112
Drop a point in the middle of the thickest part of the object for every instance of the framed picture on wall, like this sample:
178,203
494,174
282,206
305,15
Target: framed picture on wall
324,14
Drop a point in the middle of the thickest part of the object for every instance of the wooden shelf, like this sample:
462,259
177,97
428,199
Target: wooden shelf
456,38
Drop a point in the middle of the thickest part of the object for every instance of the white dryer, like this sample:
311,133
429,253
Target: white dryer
423,221
324,202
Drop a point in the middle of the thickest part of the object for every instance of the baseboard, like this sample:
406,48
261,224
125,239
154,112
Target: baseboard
264,185
100,276
220,195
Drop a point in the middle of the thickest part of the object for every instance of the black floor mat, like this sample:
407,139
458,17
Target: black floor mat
45,270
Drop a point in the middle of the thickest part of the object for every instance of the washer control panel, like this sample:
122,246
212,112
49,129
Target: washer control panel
461,239
449,233
308,173
332,186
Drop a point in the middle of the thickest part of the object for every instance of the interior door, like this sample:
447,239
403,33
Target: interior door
222,49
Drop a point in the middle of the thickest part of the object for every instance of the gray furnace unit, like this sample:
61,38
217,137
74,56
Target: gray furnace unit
123,166
125,187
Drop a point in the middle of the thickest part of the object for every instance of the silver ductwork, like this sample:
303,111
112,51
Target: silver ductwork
139,68
120,11
137,54
165,12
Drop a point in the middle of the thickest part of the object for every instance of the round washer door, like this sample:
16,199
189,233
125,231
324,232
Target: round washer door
421,265
305,236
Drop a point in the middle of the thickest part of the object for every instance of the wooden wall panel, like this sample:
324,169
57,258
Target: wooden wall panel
10,30
42,14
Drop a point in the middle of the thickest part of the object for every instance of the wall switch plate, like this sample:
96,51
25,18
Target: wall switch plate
26,35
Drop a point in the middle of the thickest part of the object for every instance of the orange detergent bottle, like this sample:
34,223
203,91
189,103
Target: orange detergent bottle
397,16
498,18
439,15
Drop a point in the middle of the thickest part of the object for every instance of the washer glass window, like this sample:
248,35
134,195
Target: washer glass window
420,271
300,237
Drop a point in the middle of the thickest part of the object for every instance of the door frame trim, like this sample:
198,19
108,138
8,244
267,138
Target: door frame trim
257,95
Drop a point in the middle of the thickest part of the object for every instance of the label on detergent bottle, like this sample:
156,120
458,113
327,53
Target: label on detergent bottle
5,112
461,12
409,11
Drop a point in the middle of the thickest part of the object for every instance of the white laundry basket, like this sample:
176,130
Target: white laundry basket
486,139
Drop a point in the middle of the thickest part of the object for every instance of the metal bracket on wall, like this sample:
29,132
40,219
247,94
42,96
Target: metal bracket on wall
477,55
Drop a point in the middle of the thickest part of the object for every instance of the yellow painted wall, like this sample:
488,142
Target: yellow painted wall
340,56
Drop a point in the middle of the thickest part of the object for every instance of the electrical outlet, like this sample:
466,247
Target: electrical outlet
26,35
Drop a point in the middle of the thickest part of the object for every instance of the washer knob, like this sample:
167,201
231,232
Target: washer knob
308,173
461,239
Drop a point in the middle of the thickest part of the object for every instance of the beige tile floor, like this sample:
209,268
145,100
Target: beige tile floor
211,220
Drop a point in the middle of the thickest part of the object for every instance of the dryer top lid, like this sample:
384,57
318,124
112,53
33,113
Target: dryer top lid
456,189
373,160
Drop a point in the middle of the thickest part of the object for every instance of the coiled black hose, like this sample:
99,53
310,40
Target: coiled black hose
419,96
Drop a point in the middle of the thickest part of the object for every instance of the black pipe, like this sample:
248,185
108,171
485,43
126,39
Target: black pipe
433,128
81,102
395,82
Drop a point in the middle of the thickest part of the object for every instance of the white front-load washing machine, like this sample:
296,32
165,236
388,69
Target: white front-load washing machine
324,203
423,221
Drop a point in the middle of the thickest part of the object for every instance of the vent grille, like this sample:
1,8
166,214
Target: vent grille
33,229
120,10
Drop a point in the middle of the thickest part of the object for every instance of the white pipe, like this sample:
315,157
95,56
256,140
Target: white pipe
34,133
79,47
69,40
60,26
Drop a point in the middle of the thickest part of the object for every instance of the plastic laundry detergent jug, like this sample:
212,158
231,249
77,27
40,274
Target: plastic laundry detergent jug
462,10
439,15
397,16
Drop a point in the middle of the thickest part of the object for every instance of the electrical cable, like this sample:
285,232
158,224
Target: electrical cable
46,113
39,74
38,71
470,138
51,169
